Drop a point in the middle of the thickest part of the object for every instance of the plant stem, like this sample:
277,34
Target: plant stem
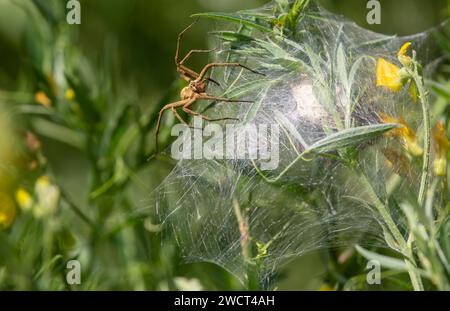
427,137
250,268
406,248
416,280
384,213
424,180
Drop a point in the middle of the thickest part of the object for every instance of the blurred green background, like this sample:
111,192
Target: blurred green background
127,46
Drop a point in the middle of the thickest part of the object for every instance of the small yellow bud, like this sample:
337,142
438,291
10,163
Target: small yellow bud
404,49
24,199
42,98
404,59
70,94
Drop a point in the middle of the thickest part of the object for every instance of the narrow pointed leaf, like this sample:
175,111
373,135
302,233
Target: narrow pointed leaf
350,137
385,261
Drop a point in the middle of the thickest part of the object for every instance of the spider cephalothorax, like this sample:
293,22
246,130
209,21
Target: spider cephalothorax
196,89
198,86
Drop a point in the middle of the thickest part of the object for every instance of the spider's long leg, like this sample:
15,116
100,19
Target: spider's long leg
188,74
158,126
180,36
161,113
191,112
185,76
212,65
183,103
177,115
188,55
189,71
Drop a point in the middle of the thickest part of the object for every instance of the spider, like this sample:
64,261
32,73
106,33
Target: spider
196,89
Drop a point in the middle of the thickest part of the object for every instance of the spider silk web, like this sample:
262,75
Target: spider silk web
312,77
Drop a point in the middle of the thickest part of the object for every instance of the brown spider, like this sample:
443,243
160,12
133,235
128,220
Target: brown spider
196,90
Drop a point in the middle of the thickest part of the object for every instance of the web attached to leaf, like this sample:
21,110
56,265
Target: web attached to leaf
320,89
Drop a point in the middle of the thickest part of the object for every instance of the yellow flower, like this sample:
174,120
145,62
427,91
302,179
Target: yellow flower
441,146
24,199
42,98
7,211
393,77
70,94
388,75
404,132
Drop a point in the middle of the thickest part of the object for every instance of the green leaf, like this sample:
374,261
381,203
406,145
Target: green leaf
35,110
234,19
350,137
353,71
342,66
59,133
385,261
231,36
260,15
